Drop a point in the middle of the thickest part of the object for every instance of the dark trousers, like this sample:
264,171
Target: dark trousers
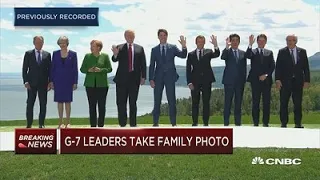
292,89
123,91
257,89
205,89
171,97
97,95
230,91
42,92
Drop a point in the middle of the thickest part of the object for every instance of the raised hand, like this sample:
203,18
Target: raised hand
115,50
183,41
214,40
228,43
251,39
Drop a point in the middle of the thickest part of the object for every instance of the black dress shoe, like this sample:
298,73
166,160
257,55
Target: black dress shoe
298,126
265,125
206,125
174,125
28,127
256,125
194,124
155,125
283,126
42,126
133,126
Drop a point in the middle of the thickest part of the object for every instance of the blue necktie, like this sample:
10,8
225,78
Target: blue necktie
39,57
235,55
163,55
292,57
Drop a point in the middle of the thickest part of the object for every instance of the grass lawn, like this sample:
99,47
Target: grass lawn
236,166
311,120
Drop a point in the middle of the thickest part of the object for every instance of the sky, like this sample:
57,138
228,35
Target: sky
275,18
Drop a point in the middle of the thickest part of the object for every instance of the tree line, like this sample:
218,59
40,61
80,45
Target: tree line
311,100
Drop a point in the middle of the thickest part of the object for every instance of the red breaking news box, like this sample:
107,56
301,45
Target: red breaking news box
147,141
35,141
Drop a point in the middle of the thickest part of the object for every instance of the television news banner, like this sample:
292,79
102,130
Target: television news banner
107,140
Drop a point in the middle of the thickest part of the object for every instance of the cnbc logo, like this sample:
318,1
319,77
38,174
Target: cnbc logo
276,161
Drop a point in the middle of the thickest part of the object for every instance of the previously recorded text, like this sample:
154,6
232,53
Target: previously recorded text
56,16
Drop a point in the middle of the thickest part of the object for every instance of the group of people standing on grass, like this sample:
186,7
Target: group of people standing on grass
41,73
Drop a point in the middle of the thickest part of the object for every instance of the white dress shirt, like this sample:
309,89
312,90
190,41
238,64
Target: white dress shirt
198,53
37,54
294,54
165,48
260,50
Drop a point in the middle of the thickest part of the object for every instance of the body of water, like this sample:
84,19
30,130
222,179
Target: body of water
13,98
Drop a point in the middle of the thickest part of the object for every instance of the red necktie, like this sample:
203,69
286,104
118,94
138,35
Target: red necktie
130,57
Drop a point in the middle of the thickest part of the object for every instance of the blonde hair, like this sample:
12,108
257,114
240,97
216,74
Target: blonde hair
98,43
129,31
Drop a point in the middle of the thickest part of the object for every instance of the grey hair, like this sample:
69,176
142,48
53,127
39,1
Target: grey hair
294,36
63,38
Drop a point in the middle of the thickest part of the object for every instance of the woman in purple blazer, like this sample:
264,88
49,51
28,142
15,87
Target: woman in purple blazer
64,78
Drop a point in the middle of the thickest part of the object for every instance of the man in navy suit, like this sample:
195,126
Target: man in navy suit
35,74
292,75
234,77
162,72
260,78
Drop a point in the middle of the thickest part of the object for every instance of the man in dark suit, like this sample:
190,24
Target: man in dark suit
162,72
260,77
131,73
292,75
234,77
200,77
35,74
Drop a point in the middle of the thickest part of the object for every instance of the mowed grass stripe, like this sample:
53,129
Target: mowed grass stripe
236,166
12,128
311,118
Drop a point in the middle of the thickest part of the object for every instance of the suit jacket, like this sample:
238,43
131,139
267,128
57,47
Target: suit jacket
32,72
260,66
139,64
158,68
64,72
285,69
201,70
234,73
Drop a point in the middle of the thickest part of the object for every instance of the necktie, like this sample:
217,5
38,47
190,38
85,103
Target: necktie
200,54
163,55
39,57
292,57
261,56
235,55
130,58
